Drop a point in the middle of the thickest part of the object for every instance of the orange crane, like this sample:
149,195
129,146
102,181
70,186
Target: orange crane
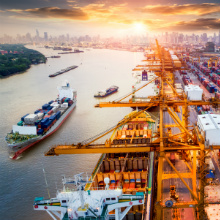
188,138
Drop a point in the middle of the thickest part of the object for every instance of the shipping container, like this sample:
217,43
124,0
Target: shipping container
45,106
40,131
52,118
70,102
40,115
22,118
50,102
30,119
172,158
37,111
50,112
204,107
44,121
199,108
58,114
37,122
46,116
20,123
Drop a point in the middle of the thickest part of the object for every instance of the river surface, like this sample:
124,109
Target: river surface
23,180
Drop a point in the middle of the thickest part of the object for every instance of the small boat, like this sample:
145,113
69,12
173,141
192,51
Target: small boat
109,91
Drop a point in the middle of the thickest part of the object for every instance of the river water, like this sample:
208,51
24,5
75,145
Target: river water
23,180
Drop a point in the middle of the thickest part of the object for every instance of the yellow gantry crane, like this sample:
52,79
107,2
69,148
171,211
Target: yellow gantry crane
163,142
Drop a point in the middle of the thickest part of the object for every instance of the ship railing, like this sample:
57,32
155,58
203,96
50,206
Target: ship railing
46,201
131,197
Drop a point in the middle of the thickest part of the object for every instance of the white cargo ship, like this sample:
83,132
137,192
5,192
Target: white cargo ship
45,121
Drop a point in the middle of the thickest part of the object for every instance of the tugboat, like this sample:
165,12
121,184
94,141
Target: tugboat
109,91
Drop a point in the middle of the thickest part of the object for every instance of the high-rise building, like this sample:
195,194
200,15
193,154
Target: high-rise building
210,47
214,38
219,37
37,36
204,37
45,36
37,33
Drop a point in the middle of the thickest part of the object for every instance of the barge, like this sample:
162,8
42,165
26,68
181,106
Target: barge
63,71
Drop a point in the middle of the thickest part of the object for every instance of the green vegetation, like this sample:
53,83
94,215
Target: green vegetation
16,137
16,58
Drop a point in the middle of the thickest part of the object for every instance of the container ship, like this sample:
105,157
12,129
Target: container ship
35,127
117,187
63,71
109,91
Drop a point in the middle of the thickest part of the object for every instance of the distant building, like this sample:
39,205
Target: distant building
45,36
210,47
219,38
3,52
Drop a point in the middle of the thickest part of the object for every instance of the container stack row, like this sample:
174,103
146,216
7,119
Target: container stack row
47,116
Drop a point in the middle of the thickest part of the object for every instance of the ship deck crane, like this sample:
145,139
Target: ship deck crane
187,139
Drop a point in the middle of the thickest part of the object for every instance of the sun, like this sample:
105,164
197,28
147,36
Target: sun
139,28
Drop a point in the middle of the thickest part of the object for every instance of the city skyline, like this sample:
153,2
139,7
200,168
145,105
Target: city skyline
109,18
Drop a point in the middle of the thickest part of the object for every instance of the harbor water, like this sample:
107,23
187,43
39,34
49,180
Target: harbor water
35,175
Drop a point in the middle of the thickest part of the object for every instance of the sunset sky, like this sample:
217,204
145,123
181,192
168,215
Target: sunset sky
108,17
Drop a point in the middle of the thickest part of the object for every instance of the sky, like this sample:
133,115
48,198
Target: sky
108,17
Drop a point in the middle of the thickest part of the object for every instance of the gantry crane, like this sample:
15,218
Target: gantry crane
215,59
188,138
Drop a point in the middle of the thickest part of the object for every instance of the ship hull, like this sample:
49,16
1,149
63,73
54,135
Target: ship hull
18,149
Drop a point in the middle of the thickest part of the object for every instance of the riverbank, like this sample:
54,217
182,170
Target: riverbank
16,59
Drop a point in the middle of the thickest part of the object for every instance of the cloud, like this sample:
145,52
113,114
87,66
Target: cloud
54,12
203,24
186,9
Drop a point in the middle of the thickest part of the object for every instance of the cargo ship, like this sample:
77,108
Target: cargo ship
117,188
63,71
109,91
45,121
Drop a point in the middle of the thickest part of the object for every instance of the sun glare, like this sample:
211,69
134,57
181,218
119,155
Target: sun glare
139,28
